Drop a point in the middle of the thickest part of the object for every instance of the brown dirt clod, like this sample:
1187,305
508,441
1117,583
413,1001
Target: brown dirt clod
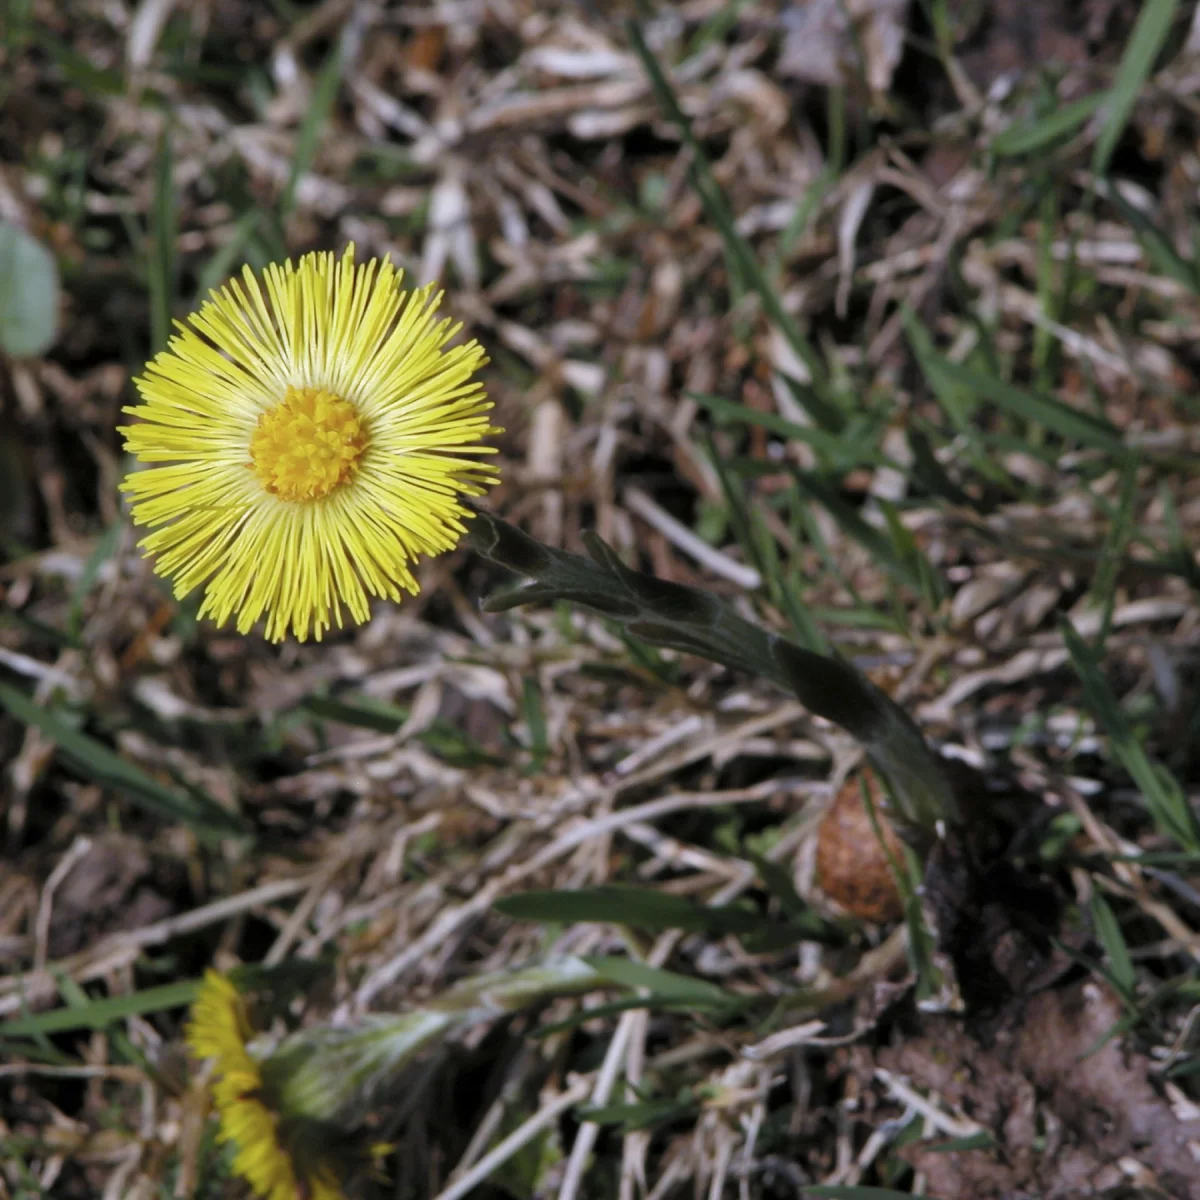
852,866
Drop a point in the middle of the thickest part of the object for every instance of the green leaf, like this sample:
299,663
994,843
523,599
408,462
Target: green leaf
1147,39
1164,797
678,617
363,713
801,916
902,561
1028,136
929,473
1056,416
98,1014
778,882
909,554
28,294
442,738
77,69
856,451
535,720
662,985
281,982
1113,940
194,807
973,1141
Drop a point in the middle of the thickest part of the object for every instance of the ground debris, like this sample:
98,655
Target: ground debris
1069,1119
114,885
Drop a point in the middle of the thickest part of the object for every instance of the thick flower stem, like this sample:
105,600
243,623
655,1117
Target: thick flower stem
327,1075
684,618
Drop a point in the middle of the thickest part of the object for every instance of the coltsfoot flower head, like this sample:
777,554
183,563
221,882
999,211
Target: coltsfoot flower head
309,436
298,1111
294,1110
220,1030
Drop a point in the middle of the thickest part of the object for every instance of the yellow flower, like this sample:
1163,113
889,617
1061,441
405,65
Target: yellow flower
315,435
219,1029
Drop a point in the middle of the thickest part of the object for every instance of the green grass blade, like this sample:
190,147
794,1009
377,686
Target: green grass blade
1112,554
1149,35
716,28
443,738
957,402
812,400
736,246
1054,287
161,268
1164,798
1178,559
800,615
742,521
778,882
1163,256
928,472
814,195
784,587
534,712
104,549
362,712
194,808
916,564
73,995
1113,940
666,985
81,1011
220,265
77,69
862,614
807,208
973,1141
1056,416
1028,136
99,1014
16,33
325,91
905,564
848,451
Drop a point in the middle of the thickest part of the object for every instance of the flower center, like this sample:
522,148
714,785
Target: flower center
307,445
